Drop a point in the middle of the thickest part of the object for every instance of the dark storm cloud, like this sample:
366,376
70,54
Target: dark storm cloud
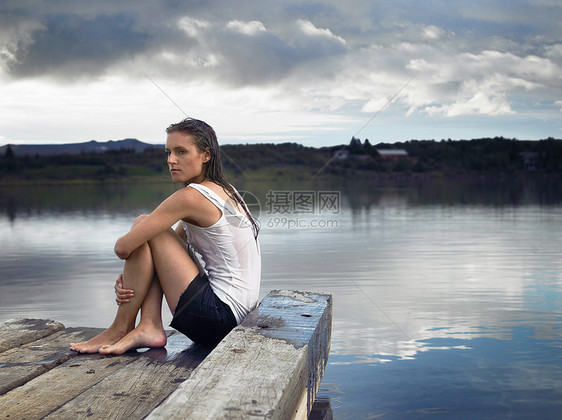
70,39
70,45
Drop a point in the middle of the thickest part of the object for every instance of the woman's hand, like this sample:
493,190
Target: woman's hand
122,295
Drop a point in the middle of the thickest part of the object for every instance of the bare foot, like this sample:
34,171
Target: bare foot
142,336
110,336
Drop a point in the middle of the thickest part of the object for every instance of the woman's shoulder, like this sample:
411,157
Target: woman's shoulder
195,207
219,191
216,188
188,196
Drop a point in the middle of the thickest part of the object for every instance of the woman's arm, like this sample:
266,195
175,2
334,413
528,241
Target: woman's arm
182,204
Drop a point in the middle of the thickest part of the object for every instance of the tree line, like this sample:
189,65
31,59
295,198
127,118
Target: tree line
486,155
478,156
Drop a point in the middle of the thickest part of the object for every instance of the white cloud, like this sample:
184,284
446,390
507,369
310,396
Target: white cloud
192,26
432,32
537,67
308,28
374,105
483,96
480,83
480,103
554,52
247,28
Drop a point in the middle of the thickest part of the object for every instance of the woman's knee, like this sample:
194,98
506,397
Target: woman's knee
164,238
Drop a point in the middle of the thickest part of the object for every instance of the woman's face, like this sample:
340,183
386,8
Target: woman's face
185,161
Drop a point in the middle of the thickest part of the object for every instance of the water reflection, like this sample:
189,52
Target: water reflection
360,197
30,200
478,378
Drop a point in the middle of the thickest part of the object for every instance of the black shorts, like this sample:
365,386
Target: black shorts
201,315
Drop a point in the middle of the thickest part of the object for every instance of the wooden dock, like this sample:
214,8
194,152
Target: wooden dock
270,367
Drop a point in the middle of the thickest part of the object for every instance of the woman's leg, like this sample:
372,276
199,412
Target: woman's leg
175,271
138,274
150,331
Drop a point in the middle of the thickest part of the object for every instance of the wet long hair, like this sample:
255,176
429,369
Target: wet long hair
205,138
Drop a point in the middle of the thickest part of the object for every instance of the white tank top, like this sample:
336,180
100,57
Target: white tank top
230,255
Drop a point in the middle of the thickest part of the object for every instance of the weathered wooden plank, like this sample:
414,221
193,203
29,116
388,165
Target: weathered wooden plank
221,388
74,378
299,318
20,365
268,367
16,332
137,387
47,392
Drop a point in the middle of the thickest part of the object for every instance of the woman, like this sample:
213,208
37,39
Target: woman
208,302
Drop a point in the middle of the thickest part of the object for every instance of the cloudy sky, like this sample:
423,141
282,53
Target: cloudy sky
312,72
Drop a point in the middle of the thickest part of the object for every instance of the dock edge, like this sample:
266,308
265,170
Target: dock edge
270,366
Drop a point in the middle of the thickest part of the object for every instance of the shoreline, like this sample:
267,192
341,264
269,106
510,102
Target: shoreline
293,174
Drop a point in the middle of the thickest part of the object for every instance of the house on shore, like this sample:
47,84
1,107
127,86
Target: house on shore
392,153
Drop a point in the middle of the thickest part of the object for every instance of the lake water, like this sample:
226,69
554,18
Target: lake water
447,294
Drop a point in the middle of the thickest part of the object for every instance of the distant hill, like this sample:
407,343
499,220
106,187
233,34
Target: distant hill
77,148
